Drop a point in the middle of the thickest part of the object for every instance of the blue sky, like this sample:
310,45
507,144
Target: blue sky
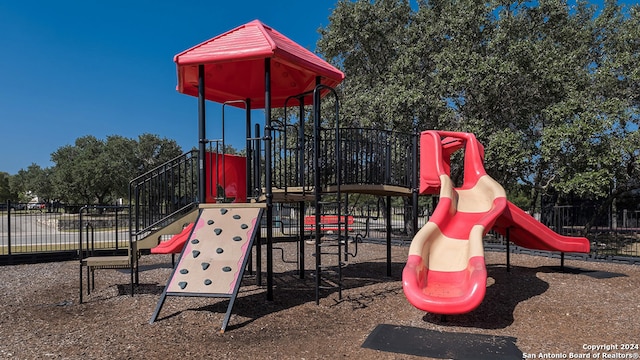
76,68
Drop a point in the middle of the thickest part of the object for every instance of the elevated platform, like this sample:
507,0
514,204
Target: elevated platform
372,189
298,193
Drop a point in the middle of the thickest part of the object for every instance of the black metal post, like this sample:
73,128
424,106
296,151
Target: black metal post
301,204
388,235
316,185
256,185
202,137
9,227
388,180
342,216
117,230
415,186
508,250
80,254
137,227
247,151
267,164
248,145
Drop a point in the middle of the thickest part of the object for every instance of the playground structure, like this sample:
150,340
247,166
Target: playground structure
309,162
445,272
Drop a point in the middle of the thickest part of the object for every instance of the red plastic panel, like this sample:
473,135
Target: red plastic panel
230,176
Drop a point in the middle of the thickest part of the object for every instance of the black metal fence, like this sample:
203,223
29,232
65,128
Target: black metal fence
48,232
54,234
614,233
613,236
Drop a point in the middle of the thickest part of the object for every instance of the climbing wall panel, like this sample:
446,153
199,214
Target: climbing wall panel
213,258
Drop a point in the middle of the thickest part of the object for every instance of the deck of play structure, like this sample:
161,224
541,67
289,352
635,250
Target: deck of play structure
307,160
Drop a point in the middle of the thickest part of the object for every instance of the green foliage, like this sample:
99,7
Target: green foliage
152,151
92,170
552,91
5,189
35,181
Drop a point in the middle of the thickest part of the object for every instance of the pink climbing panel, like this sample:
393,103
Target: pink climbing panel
213,257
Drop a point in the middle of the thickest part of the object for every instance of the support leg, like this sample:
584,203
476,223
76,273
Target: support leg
508,252
159,306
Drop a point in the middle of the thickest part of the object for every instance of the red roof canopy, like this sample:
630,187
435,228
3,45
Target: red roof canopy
235,70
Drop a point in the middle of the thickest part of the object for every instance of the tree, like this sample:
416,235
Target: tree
550,90
79,172
120,157
5,188
34,181
368,40
99,171
152,151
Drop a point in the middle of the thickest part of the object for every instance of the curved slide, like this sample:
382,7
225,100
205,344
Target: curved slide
445,272
175,244
526,231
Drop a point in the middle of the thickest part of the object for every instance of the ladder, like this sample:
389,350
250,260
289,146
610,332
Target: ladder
329,205
331,228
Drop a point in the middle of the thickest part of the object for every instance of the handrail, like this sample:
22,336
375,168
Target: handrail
163,192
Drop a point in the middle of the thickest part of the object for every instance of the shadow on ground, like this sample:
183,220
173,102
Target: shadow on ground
508,290
291,291
147,289
501,299
596,274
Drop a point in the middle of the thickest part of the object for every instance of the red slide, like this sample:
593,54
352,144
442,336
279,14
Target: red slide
528,232
445,272
175,244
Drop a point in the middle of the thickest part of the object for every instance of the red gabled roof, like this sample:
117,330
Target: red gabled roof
234,67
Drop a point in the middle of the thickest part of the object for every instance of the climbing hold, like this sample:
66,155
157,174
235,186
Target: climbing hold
223,211
195,241
226,269
210,222
207,282
237,217
182,284
195,253
184,271
218,231
237,238
205,266
244,226
219,250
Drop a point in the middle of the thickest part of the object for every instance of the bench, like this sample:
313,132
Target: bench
328,223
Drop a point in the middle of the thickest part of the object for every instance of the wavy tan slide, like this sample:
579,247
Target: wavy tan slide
445,272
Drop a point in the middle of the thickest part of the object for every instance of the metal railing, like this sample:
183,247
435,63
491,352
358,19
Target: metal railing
370,156
164,192
367,156
613,234
103,228
53,232
44,234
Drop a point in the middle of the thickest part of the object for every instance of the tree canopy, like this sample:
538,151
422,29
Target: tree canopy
551,90
91,171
